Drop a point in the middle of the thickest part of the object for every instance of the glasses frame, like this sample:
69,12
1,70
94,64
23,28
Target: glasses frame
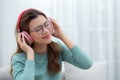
40,28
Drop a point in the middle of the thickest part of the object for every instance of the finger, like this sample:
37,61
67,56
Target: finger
55,25
50,18
23,39
54,22
19,39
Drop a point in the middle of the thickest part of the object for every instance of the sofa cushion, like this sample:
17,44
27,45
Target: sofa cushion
96,72
4,73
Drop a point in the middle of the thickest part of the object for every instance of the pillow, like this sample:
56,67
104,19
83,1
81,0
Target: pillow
4,73
97,72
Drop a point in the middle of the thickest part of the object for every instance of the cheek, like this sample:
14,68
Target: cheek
36,38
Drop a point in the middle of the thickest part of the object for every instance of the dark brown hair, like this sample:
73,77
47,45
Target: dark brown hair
53,48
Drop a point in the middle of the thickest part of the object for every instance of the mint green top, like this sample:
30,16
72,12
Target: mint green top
37,70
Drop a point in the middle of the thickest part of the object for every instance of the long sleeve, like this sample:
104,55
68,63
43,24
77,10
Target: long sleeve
22,69
76,57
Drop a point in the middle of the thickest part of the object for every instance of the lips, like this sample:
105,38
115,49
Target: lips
47,37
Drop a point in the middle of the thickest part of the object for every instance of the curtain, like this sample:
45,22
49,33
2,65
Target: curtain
100,22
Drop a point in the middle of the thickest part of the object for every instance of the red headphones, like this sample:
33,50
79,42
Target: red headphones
27,37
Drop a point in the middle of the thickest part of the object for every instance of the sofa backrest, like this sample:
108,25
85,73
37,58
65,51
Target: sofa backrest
97,72
5,74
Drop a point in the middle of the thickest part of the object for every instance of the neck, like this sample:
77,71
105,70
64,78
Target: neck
40,49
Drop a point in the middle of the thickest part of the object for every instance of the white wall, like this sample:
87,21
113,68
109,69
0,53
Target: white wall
6,33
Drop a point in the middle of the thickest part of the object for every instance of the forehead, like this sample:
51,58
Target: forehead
37,21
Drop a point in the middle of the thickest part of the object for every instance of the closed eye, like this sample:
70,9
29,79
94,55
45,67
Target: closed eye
46,24
38,29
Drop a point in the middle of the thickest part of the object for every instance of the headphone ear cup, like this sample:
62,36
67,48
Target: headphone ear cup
27,37
52,30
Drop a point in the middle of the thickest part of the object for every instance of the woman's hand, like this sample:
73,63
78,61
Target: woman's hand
57,30
23,44
59,34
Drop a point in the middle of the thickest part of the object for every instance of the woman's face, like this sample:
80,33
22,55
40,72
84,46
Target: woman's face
40,30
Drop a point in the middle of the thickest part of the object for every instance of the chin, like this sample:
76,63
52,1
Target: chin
48,42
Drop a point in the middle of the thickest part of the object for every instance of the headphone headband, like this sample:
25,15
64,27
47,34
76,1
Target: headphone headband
20,17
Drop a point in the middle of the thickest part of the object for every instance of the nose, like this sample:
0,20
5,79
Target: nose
45,30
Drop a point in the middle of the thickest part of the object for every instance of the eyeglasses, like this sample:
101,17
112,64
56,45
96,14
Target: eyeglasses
40,28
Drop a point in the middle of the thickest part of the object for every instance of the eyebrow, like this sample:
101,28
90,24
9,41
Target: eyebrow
39,25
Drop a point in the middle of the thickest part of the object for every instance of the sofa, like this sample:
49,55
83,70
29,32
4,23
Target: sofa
4,73
97,72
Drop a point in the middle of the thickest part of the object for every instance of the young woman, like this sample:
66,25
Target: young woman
38,56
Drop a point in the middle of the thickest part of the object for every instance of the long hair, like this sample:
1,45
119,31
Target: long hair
53,48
